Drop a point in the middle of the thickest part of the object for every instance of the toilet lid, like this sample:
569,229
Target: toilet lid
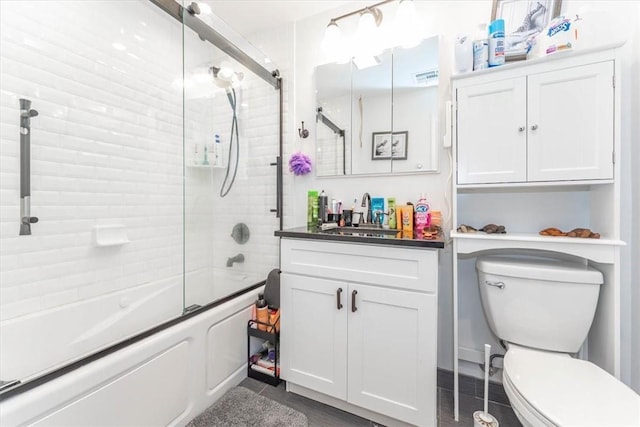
570,392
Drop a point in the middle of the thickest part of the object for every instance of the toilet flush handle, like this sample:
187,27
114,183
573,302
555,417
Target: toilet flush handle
499,285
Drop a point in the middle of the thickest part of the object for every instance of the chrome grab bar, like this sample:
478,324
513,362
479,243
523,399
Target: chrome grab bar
26,113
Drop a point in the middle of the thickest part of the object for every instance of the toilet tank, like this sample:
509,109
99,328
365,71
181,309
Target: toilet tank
539,303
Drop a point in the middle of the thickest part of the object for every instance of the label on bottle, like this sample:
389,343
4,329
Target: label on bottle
480,54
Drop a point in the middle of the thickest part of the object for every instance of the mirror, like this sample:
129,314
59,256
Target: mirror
379,118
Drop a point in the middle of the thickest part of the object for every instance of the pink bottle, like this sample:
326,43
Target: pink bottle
422,215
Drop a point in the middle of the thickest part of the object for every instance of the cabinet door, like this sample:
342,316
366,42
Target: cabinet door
313,334
571,124
392,353
491,124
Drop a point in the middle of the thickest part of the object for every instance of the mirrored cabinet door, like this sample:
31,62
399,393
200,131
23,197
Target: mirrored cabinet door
379,115
371,115
333,119
415,108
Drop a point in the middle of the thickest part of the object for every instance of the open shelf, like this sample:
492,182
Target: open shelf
271,334
598,250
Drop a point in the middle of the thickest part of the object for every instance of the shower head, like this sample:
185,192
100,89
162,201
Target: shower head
224,76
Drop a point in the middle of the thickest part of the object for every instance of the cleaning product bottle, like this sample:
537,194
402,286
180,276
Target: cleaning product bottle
480,48
323,207
423,214
496,43
391,205
312,208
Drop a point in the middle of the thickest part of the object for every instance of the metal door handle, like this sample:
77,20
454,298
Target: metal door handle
353,301
278,165
338,298
499,285
534,127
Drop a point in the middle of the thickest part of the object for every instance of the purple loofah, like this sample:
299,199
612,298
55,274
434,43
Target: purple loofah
299,164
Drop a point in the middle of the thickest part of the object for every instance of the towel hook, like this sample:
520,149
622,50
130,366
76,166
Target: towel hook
302,132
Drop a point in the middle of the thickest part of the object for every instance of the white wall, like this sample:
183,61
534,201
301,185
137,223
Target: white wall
448,19
106,148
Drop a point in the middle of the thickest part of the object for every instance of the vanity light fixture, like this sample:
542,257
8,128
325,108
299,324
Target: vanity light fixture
367,41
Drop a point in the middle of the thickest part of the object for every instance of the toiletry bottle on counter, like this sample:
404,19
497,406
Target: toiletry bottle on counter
323,207
423,214
407,218
312,208
496,43
391,205
481,48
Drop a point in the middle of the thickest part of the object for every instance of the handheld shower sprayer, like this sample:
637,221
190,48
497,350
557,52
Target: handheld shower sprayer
224,77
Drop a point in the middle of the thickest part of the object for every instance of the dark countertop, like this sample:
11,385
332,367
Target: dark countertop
363,235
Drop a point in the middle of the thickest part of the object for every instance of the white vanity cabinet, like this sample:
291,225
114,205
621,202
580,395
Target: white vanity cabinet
359,324
536,124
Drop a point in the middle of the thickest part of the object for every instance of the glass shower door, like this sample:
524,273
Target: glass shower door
231,142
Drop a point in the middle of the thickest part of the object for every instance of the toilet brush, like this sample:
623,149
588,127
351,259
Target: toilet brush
484,418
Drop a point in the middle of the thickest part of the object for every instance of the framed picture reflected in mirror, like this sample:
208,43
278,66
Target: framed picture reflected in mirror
385,145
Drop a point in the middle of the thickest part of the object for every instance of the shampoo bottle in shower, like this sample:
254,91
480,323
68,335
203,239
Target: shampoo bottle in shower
205,161
218,153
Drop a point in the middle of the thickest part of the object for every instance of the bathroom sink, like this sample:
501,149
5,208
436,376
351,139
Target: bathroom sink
361,231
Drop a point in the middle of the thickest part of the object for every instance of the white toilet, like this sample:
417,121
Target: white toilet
543,310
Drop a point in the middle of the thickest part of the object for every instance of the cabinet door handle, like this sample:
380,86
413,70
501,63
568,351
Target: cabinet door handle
339,298
534,127
521,129
353,301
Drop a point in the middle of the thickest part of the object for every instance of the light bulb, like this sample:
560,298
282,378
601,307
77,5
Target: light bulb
406,29
366,38
331,41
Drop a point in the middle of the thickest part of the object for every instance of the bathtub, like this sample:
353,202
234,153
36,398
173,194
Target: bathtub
64,334
164,379
42,341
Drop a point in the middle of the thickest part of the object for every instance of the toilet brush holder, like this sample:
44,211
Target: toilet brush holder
484,418
480,419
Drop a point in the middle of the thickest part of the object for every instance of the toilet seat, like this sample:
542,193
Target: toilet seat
556,389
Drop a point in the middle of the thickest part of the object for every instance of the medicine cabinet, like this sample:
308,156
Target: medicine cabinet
379,116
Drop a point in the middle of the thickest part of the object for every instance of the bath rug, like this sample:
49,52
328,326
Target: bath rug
241,407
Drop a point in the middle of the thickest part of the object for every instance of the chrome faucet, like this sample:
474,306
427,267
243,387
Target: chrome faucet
237,258
366,202
378,217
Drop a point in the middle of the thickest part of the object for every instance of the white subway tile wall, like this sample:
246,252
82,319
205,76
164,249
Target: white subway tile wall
107,149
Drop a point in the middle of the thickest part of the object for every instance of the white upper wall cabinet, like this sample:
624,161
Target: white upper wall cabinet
555,125
492,142
570,120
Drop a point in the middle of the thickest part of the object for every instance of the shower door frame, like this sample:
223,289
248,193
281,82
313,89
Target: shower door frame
187,16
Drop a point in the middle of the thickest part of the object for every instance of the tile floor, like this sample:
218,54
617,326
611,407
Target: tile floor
321,415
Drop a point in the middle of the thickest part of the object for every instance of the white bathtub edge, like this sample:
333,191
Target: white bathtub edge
62,394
